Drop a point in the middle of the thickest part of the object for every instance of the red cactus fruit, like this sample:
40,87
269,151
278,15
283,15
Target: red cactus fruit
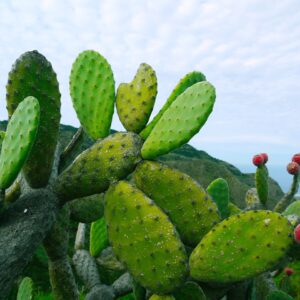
297,234
258,160
265,156
293,168
288,271
296,158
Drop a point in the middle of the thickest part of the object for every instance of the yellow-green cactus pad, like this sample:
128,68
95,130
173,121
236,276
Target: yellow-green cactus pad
241,247
98,237
261,180
19,138
161,297
181,121
233,209
219,191
92,89
186,203
187,81
144,239
135,100
33,75
108,160
25,291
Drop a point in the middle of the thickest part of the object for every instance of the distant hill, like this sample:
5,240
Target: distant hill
201,166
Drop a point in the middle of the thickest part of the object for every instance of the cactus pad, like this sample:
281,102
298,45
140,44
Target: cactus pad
2,135
183,119
32,75
279,295
261,180
144,239
251,199
190,291
135,100
293,209
241,247
233,209
20,136
92,89
187,81
161,297
219,191
186,203
98,237
25,291
109,160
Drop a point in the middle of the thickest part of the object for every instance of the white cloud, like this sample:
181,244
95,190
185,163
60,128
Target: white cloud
250,50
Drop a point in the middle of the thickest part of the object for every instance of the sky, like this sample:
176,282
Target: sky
249,50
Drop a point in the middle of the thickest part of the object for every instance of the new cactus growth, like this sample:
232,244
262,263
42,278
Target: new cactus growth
98,237
32,75
219,191
187,81
181,121
25,291
241,247
261,178
136,99
107,161
19,138
186,203
92,88
144,239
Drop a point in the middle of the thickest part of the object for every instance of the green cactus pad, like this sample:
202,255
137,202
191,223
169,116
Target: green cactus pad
32,75
233,209
186,203
219,191
108,160
190,291
98,237
127,297
25,291
92,89
293,209
2,135
161,297
241,247
20,136
144,239
183,119
187,81
279,295
261,181
135,100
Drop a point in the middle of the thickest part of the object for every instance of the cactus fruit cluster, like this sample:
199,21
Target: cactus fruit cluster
146,230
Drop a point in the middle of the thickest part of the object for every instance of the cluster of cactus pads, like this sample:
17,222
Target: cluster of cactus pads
157,232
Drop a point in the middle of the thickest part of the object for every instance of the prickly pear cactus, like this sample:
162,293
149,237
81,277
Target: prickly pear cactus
161,297
190,291
109,160
187,81
219,191
279,295
241,247
181,121
92,89
144,239
262,187
98,237
2,135
233,209
135,100
186,203
251,199
25,291
293,209
19,138
32,75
